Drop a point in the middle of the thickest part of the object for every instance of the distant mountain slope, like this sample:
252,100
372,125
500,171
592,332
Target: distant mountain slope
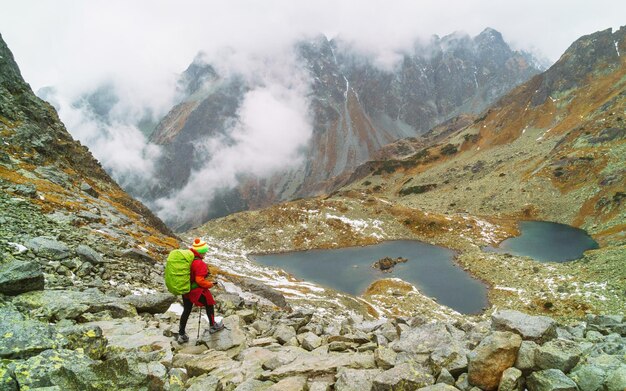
554,148
52,187
356,107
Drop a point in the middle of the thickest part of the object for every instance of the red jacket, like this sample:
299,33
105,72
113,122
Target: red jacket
199,271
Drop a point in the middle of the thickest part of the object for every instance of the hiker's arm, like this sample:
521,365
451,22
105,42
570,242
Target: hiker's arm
203,283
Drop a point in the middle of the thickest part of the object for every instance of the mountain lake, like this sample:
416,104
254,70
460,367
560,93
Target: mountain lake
429,268
547,242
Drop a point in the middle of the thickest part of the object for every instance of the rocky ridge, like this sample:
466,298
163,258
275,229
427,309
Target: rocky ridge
356,109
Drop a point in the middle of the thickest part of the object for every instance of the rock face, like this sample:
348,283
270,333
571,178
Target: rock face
18,277
496,353
356,109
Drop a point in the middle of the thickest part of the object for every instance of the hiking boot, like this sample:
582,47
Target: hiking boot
182,338
216,327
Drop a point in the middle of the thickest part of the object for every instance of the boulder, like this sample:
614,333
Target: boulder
87,254
231,337
50,368
89,338
267,292
385,357
558,354
152,303
526,356
65,304
355,379
535,328
139,256
445,377
7,381
22,338
512,380
550,380
491,358
588,377
462,383
204,383
284,334
423,339
18,277
208,362
616,381
406,376
49,248
126,335
282,356
309,341
452,356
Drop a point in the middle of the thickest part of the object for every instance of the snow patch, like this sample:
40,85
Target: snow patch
18,247
143,291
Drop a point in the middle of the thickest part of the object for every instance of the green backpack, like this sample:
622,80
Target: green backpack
178,272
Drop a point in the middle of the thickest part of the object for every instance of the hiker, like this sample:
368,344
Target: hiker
199,293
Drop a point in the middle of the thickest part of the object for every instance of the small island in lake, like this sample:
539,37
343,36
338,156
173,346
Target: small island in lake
386,264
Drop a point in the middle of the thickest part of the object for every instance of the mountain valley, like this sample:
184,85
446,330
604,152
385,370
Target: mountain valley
82,300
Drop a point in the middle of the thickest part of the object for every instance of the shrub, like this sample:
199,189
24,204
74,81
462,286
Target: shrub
449,149
417,189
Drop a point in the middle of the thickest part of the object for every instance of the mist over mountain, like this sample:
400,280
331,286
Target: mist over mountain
332,107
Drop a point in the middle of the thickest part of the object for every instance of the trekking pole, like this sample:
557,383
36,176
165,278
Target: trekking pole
199,319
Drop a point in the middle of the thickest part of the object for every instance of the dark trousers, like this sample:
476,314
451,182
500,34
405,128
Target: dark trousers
188,306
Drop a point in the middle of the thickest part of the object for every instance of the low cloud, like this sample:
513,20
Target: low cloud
272,129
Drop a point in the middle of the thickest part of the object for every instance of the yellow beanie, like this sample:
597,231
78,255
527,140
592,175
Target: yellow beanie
200,246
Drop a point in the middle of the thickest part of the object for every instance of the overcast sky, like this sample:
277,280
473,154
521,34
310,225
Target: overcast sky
140,47
64,42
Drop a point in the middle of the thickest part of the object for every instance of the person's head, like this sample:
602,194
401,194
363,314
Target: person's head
200,246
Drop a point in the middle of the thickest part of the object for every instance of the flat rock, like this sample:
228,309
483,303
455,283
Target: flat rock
209,362
153,303
320,365
230,337
49,248
87,254
535,328
406,376
19,277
